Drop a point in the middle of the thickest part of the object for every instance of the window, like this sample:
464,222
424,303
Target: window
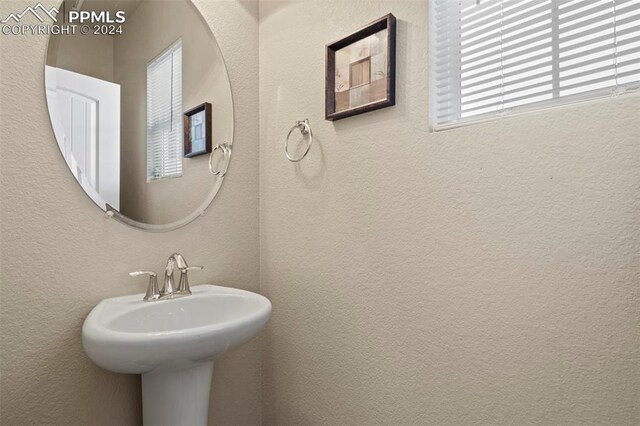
164,114
496,57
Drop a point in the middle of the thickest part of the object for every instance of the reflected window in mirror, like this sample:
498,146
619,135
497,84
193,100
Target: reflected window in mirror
164,114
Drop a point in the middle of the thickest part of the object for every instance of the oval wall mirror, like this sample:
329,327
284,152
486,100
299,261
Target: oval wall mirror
141,110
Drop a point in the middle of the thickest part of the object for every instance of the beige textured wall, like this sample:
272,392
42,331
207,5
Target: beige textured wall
60,255
483,275
87,54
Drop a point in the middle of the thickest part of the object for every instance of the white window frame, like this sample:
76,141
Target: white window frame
450,43
164,115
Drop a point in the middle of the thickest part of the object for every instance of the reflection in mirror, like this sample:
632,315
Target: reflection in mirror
137,111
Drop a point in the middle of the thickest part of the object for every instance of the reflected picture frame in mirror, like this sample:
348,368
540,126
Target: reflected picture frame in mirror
198,131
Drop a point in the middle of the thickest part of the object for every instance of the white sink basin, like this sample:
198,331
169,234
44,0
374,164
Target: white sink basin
173,343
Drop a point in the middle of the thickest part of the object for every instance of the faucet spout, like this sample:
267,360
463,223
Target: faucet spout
176,260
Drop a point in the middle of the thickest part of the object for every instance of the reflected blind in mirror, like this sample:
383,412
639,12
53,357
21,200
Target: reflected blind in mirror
495,57
164,114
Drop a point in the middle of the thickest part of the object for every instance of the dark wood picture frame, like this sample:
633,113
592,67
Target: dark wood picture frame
386,22
206,107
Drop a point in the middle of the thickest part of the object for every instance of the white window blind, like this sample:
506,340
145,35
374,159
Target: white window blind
164,114
496,57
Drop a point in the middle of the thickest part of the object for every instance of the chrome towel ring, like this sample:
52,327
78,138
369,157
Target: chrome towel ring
226,152
305,129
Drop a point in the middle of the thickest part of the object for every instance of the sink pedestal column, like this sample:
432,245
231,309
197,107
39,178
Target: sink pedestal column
177,397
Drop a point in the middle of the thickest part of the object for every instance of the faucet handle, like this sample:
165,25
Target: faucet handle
153,293
183,286
188,268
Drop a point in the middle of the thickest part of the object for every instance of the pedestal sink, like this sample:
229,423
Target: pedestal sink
173,344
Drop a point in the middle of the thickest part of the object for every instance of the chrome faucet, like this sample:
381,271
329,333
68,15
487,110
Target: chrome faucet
169,290
176,260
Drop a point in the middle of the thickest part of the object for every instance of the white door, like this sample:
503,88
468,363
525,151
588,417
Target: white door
85,112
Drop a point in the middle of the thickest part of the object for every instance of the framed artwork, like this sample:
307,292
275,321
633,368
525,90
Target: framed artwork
197,131
361,70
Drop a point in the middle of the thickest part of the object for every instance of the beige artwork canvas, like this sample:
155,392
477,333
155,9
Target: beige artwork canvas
361,71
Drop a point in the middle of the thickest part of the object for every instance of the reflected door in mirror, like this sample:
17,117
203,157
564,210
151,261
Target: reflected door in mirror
88,113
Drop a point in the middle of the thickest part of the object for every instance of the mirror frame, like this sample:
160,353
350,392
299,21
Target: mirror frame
202,209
